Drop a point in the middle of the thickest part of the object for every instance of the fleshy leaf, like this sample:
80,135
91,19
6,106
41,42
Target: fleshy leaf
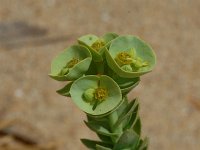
127,112
104,138
133,119
144,144
65,90
126,84
99,147
137,126
128,89
123,106
129,139
100,129
91,144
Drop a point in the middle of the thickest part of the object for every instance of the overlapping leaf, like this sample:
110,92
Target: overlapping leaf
65,90
91,144
128,140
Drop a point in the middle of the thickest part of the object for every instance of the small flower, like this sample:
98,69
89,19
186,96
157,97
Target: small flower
127,68
71,64
96,95
130,57
124,58
97,45
89,95
129,61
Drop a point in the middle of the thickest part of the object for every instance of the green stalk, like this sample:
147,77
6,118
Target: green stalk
100,67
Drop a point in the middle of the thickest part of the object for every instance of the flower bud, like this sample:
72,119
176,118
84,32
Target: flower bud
139,63
127,68
89,94
64,71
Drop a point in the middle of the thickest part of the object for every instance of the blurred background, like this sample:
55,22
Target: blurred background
32,32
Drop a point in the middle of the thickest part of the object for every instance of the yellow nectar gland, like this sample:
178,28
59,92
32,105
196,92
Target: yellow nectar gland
124,58
97,45
72,62
100,94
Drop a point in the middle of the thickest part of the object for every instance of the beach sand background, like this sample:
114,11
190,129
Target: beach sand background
32,32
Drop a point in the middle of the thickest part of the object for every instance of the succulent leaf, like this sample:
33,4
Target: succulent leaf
144,144
100,129
127,112
129,139
65,90
137,126
91,144
126,84
133,118
99,147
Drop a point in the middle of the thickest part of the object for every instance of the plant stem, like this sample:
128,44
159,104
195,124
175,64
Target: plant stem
100,67
113,117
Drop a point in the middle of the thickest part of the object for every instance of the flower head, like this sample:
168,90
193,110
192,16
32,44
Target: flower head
130,57
71,64
96,95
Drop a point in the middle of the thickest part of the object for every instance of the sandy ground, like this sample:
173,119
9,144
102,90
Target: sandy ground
32,32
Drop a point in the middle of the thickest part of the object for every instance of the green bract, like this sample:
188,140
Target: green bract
130,57
97,45
71,64
108,95
126,85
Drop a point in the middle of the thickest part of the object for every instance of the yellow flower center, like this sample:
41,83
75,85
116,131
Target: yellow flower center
124,58
97,45
100,94
72,62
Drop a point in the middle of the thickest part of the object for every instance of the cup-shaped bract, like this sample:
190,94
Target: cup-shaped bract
107,98
97,45
127,84
71,64
130,57
108,37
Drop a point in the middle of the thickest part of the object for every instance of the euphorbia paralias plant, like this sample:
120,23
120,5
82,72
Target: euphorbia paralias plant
101,71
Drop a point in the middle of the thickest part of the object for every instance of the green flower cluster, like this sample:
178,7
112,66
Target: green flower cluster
100,72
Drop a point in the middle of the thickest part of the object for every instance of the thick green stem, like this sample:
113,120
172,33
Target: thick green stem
113,117
100,67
